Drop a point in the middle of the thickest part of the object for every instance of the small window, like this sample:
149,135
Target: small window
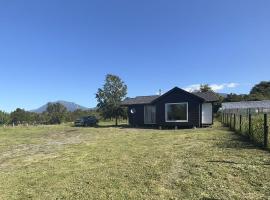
176,112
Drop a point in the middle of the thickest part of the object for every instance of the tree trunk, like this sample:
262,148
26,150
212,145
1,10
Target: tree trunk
116,121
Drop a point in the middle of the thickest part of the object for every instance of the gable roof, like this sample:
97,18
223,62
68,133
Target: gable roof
207,96
139,100
204,96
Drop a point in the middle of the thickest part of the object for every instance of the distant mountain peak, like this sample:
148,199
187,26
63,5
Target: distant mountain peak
71,106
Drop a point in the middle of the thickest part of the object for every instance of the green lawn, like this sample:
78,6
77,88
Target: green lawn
63,162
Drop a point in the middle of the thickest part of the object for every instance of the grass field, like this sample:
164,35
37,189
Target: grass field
63,162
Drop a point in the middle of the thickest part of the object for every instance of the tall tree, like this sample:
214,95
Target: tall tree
109,97
260,91
56,113
205,88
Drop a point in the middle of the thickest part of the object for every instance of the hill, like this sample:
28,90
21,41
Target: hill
69,105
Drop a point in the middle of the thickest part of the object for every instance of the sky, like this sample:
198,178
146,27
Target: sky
62,49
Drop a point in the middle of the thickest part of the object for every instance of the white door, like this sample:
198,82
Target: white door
207,113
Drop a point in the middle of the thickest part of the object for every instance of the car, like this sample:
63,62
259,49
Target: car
86,121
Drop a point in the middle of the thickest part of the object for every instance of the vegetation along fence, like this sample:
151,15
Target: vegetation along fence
255,126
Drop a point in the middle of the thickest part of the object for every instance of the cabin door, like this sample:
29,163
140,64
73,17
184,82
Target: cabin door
207,113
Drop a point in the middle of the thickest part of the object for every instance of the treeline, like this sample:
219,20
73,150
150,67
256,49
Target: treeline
260,91
55,114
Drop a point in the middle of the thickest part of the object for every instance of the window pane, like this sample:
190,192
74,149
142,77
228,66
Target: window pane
176,112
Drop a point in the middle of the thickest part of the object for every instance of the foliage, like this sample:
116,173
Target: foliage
261,91
20,116
72,116
110,96
205,88
232,97
56,113
4,117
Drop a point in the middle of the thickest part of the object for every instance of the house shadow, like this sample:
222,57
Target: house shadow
238,141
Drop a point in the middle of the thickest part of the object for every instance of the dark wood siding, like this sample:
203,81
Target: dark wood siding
179,97
136,119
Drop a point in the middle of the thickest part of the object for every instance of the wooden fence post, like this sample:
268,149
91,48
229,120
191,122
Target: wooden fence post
240,123
249,125
221,118
234,122
230,120
265,144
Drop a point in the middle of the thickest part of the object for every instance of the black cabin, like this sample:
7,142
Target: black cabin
175,108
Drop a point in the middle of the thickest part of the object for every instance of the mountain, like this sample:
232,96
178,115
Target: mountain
69,105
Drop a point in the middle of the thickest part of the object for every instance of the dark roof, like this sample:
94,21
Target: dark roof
140,100
206,96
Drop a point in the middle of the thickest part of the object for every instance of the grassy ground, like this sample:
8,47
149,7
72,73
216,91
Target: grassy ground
63,162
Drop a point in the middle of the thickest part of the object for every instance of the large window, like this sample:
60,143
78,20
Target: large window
176,112
149,114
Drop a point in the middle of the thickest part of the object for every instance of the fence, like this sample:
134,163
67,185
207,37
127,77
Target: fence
254,126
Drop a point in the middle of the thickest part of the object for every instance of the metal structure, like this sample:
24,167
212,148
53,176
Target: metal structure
246,107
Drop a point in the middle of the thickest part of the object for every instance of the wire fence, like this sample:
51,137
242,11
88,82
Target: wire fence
254,126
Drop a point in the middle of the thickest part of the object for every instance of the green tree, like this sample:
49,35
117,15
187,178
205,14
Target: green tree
56,113
205,88
4,117
19,116
110,96
260,91
236,97
72,116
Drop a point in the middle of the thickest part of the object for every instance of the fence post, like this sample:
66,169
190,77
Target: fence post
265,144
230,120
221,116
240,123
234,122
249,125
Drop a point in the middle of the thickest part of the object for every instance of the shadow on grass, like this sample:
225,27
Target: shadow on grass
236,163
122,126
238,141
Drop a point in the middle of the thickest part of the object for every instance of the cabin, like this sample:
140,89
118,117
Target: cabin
176,108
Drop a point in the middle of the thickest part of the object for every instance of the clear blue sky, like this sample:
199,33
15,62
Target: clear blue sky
61,49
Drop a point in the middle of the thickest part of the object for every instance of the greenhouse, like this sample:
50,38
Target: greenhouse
246,107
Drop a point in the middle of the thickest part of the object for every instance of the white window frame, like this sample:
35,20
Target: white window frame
166,113
155,114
